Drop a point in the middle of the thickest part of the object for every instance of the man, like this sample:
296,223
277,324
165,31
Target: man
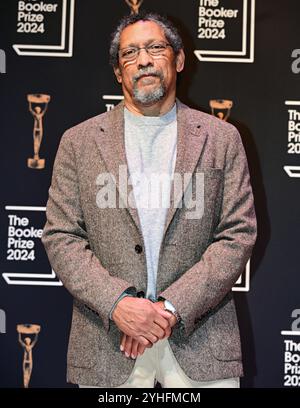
151,283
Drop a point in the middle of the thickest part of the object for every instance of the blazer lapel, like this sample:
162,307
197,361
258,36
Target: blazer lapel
191,137
111,143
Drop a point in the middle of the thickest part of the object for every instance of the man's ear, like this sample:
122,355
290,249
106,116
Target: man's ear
118,75
180,58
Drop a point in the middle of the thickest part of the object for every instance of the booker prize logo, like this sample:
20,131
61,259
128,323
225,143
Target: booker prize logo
134,5
293,138
27,336
225,30
292,351
26,262
50,25
38,104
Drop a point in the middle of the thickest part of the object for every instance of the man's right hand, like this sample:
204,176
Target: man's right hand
140,319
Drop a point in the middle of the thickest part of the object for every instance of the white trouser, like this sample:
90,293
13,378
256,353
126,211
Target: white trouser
158,363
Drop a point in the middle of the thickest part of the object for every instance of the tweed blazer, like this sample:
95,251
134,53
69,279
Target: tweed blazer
93,249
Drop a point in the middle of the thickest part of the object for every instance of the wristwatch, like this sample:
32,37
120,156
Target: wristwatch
170,308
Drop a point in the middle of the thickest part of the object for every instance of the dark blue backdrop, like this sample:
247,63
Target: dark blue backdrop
263,84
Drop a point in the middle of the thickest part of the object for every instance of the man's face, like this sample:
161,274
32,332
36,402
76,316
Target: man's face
147,79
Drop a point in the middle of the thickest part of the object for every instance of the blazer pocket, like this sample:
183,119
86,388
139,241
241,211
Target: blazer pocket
204,199
212,177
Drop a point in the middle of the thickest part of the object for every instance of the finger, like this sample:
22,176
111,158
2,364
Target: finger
151,337
127,347
162,318
158,331
173,321
168,332
134,348
141,349
144,342
164,313
123,340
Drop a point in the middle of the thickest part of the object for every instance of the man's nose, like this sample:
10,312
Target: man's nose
144,58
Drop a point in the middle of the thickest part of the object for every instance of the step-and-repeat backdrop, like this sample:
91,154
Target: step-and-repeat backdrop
243,65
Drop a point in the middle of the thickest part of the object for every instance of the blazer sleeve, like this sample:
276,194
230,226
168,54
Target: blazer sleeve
205,284
66,240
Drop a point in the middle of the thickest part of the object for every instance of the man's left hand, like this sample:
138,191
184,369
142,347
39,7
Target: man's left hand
131,347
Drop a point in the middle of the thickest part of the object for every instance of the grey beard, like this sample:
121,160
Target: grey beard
147,98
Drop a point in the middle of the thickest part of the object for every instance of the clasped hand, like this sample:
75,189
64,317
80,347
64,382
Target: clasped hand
142,324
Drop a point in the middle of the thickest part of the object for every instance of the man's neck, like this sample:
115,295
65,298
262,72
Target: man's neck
157,109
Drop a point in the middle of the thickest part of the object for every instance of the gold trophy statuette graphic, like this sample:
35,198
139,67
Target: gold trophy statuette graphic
134,5
38,113
28,343
221,108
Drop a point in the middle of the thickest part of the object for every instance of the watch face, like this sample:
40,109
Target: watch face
168,306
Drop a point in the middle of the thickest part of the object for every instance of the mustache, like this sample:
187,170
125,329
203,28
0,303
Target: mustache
147,71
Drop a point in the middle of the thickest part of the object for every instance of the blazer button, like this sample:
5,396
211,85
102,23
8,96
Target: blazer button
138,249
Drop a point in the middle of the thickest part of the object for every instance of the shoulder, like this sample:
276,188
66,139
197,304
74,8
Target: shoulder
91,126
211,122
218,130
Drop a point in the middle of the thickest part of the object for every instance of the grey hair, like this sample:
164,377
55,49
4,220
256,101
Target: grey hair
170,31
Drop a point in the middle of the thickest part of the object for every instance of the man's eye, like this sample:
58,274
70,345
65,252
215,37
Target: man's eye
157,47
129,52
